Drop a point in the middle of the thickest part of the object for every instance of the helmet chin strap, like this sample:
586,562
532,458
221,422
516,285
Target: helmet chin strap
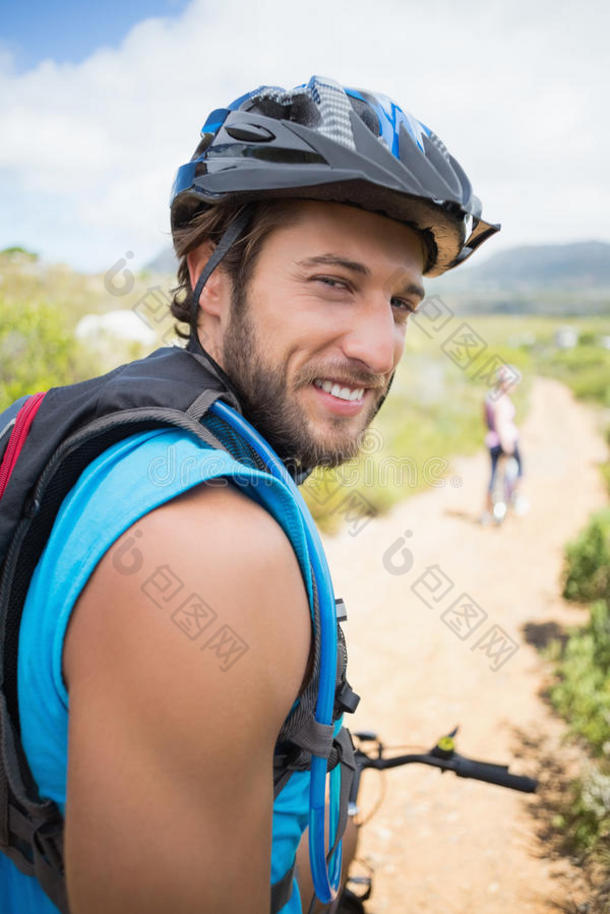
232,233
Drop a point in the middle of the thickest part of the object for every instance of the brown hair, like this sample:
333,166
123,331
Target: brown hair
210,224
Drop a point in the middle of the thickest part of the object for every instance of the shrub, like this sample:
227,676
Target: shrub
582,694
37,351
587,571
584,817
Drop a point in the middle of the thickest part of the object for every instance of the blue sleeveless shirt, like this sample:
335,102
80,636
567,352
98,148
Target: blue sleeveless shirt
119,487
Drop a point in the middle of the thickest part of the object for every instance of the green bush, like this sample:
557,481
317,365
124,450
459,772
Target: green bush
587,571
37,351
17,251
586,369
582,694
584,817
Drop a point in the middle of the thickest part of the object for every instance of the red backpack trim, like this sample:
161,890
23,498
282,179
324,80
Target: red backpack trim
23,421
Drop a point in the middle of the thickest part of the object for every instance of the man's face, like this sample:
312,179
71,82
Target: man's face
327,304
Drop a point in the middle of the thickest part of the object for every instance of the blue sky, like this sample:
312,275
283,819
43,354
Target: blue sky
99,105
68,32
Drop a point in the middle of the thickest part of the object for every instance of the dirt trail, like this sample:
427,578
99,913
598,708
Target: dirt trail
440,844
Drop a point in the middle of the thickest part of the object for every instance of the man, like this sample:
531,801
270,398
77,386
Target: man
304,224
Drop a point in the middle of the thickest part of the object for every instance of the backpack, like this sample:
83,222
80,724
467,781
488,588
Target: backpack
46,441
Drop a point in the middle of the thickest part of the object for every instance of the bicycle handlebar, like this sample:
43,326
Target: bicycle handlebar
442,756
494,774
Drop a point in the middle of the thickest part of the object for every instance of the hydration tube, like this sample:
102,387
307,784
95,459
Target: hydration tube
325,878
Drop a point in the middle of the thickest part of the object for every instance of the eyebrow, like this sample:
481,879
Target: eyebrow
355,266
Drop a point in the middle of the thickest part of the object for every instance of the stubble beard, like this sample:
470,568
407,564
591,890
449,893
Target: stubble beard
273,409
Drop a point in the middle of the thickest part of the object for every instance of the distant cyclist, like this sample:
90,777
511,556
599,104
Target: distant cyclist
502,438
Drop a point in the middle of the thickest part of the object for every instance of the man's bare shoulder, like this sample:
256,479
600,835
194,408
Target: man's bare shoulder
209,580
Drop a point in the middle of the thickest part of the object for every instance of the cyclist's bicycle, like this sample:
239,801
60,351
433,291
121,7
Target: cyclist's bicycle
503,492
443,756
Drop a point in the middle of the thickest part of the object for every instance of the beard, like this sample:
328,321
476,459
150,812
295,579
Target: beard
273,409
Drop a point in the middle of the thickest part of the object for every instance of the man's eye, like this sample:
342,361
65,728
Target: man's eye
403,305
332,282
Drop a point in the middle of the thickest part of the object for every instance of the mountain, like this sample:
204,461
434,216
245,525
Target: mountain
582,264
562,279
165,262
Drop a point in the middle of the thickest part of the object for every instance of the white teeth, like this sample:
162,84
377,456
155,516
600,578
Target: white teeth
344,393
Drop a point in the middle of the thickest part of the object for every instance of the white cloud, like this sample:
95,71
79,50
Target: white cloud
517,91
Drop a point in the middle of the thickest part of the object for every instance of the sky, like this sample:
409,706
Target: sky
99,105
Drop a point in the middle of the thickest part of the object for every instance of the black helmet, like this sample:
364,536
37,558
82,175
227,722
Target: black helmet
323,142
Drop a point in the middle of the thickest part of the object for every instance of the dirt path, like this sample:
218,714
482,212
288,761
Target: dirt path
440,844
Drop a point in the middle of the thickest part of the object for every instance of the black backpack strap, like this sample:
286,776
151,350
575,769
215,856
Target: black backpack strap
301,736
31,829
345,757
282,890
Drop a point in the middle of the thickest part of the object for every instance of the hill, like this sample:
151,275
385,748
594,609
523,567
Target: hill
165,262
562,279
585,263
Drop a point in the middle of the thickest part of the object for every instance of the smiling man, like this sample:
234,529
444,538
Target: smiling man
171,645
320,327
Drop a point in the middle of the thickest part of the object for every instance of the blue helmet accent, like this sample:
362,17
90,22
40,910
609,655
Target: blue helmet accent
390,118
321,141
214,120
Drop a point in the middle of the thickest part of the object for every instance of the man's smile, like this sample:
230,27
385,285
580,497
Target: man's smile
343,401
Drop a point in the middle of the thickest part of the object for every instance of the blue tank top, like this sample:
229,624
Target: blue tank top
119,487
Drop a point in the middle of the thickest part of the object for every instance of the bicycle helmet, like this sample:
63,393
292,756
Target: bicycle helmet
321,141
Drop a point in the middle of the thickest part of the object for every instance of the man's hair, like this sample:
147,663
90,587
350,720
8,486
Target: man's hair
209,225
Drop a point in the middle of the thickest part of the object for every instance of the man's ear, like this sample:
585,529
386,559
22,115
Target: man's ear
214,292
197,259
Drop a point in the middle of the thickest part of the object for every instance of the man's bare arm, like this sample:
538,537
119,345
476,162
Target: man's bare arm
170,790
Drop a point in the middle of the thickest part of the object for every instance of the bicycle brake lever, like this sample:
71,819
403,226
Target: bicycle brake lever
445,747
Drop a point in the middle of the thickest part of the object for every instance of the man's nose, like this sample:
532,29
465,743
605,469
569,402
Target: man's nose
372,337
